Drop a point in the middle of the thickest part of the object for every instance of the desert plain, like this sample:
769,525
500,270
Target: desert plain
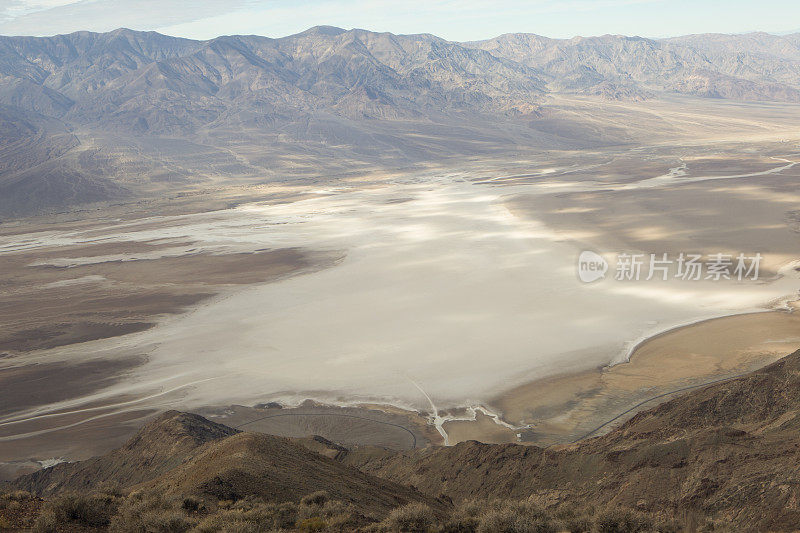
399,307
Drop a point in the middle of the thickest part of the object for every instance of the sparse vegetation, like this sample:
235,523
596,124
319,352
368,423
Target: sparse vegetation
13,501
191,504
315,498
412,518
94,511
143,512
248,515
623,521
521,516
515,517
151,513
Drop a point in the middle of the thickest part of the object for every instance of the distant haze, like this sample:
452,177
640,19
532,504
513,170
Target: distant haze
459,21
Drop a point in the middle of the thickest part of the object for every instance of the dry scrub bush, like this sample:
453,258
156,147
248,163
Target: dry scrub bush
505,521
479,516
315,523
461,524
411,518
150,513
190,504
74,509
622,521
315,499
574,519
499,516
317,512
15,496
14,500
249,517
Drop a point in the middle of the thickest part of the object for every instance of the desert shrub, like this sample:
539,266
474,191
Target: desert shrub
46,522
716,526
574,519
507,521
110,488
575,524
160,522
316,508
336,507
225,521
250,517
528,509
411,518
315,523
375,527
461,524
465,518
13,505
245,504
669,527
347,521
191,504
8,503
150,513
16,496
499,516
707,524
517,516
622,521
471,509
281,516
91,511
315,498
153,521
323,508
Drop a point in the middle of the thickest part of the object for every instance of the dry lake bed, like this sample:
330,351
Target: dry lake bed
442,305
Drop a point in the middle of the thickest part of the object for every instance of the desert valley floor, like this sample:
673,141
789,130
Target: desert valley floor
403,307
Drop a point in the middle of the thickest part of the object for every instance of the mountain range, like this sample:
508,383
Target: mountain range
89,117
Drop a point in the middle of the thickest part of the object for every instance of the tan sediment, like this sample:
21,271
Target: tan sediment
567,407
483,429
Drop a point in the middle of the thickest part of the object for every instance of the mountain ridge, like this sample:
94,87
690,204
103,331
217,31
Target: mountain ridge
185,454
329,100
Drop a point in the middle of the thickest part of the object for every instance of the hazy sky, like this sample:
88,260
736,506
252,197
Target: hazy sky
452,19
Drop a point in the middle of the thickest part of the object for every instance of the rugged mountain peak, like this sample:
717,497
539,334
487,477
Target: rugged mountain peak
329,31
185,454
176,427
158,447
